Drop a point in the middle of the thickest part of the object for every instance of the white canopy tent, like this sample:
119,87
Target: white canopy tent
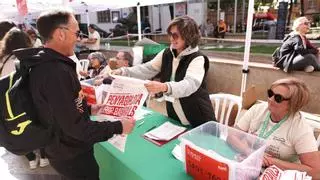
86,6
35,7
9,8
9,11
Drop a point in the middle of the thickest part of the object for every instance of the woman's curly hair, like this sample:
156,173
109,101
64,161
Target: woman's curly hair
188,29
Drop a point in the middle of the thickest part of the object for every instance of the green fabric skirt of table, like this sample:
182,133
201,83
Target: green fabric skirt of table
141,159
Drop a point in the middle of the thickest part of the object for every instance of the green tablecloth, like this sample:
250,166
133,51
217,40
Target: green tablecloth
141,159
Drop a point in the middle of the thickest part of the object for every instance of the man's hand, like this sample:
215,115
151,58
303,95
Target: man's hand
127,125
155,87
95,108
116,72
84,73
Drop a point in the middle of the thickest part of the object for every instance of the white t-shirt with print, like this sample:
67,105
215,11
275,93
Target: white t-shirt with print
96,45
292,138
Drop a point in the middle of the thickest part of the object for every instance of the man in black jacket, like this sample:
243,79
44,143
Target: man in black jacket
56,94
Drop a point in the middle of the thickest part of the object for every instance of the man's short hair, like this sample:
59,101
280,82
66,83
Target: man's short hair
91,26
129,58
50,21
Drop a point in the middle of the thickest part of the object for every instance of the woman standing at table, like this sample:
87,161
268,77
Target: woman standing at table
183,69
290,139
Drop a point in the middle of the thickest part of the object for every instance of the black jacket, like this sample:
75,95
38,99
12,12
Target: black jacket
291,47
197,107
55,90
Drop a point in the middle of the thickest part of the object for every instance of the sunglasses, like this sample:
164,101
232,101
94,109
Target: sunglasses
174,36
277,97
78,33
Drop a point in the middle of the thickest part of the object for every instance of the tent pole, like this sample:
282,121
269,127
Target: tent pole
235,16
247,46
88,18
139,21
218,12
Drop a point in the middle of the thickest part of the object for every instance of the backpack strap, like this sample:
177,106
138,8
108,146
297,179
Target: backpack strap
4,62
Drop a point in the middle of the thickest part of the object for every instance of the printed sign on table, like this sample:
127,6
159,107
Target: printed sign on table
203,167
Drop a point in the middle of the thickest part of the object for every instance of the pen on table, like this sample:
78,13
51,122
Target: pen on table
151,128
140,123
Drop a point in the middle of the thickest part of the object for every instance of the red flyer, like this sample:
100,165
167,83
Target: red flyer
203,167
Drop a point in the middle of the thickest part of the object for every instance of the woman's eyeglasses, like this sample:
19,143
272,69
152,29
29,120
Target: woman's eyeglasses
75,33
277,97
174,35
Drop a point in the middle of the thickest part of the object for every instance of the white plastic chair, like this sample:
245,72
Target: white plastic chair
84,64
228,102
137,55
314,122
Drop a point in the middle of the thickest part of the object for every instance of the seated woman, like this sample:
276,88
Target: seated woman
296,52
98,64
290,140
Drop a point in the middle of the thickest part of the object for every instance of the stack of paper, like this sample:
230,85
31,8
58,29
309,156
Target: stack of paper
141,113
165,132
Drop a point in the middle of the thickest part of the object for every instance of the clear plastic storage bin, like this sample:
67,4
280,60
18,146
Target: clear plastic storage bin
217,151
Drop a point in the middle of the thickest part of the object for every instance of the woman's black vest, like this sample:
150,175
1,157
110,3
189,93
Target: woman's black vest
197,107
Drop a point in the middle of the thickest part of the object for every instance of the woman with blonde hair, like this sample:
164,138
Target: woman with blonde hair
296,52
290,140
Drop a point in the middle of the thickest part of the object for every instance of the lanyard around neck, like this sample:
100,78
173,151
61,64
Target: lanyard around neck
264,134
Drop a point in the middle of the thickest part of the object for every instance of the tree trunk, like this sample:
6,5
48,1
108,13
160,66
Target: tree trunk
302,7
290,12
281,21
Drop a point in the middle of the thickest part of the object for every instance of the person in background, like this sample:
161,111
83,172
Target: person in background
296,52
208,29
34,38
221,29
93,42
290,139
98,64
124,59
16,39
5,26
183,71
58,99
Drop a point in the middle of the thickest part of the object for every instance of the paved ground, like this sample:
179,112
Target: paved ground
14,167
